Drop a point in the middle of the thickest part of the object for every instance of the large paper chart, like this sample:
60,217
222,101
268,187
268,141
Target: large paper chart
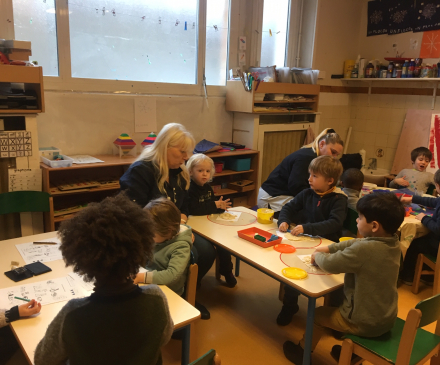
233,218
45,292
42,253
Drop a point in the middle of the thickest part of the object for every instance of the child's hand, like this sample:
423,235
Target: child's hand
401,181
283,227
223,204
406,200
323,249
28,309
420,216
139,278
297,230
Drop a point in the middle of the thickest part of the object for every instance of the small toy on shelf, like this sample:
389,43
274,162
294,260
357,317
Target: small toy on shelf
125,145
149,140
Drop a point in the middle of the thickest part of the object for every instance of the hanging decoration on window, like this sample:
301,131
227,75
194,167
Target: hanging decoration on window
377,18
427,16
401,16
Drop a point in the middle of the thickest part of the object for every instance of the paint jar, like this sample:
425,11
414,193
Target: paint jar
265,215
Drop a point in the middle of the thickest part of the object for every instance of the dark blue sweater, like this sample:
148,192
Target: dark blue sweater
291,176
319,216
432,223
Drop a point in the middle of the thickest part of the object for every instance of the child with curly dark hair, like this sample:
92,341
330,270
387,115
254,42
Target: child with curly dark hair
120,323
169,265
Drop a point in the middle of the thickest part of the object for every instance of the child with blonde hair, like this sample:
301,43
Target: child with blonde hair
202,202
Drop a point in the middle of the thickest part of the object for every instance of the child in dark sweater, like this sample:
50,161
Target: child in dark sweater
202,202
318,211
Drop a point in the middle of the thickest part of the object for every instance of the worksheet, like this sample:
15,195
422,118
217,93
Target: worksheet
32,252
45,292
311,268
229,216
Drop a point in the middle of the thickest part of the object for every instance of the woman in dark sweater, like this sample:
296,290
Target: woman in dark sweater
290,177
160,172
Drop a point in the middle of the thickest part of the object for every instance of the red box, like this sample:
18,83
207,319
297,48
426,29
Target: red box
249,233
218,166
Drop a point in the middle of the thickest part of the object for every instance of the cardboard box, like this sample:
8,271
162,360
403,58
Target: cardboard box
242,185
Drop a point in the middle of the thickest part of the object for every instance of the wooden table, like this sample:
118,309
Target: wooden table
268,261
29,331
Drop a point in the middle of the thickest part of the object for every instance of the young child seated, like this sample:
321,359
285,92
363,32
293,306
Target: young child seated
120,323
371,267
352,181
426,244
416,179
172,252
318,211
202,202
8,343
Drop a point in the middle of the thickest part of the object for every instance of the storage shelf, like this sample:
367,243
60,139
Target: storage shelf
20,111
225,192
63,217
231,172
283,101
412,79
82,191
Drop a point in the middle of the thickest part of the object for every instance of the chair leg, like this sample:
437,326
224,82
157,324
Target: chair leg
217,266
347,351
417,274
327,300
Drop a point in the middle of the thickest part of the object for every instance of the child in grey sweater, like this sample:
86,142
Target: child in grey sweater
371,267
352,181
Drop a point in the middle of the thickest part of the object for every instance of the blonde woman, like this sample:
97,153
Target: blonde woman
160,172
290,177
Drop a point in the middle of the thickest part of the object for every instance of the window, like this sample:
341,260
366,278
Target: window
274,34
37,24
134,40
217,35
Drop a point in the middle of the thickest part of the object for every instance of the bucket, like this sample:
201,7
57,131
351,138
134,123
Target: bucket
265,215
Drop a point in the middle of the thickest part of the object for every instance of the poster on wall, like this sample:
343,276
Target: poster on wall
430,46
377,18
400,16
427,15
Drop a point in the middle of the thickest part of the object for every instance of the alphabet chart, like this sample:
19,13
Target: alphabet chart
40,252
45,292
15,144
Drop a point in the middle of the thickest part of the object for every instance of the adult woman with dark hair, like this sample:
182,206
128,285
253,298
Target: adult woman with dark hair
290,177
160,171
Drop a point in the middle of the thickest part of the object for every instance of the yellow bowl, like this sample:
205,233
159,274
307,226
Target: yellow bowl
265,215
345,239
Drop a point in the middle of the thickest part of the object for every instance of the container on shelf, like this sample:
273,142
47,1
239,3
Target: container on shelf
218,166
67,162
238,164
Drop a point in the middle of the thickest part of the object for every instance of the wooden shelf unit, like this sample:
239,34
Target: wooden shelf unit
239,100
238,198
112,167
31,77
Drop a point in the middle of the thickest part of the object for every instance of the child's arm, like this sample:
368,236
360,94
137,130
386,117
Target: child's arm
176,267
345,259
333,224
202,208
290,211
399,180
19,311
427,202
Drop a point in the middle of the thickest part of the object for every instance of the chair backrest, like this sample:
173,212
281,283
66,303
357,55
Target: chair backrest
24,201
191,282
210,358
430,309
431,189
350,221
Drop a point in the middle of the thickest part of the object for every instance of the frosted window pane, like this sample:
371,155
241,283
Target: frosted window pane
275,19
35,21
139,40
217,34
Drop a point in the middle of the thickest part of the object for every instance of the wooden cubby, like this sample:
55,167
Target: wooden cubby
249,198
240,100
31,77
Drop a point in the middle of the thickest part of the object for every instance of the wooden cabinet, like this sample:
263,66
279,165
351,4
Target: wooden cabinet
239,100
112,168
246,198
31,77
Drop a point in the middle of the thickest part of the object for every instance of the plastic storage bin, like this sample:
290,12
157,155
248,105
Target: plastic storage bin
239,164
248,234
218,166
67,162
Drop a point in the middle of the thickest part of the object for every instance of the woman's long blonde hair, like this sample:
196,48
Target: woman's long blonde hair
171,135
329,136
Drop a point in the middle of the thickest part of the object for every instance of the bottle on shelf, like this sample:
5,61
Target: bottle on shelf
369,71
390,70
405,69
411,67
418,68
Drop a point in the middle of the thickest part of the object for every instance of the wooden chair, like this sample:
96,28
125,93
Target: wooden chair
210,358
191,282
434,264
26,202
406,344
350,222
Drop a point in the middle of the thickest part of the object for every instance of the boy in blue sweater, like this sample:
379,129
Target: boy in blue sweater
371,267
427,244
318,211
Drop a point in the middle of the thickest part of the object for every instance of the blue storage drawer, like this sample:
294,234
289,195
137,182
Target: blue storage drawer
238,164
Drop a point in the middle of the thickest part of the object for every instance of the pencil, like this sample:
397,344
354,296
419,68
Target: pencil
45,243
26,300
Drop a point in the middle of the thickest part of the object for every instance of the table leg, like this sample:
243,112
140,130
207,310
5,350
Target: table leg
186,344
237,266
309,331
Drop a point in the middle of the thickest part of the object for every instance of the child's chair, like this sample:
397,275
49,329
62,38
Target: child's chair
406,343
434,264
350,222
191,282
210,358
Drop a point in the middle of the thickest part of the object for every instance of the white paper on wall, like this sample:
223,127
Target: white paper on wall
145,115
24,179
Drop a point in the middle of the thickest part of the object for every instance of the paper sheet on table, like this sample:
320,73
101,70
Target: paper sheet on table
80,159
237,215
87,286
45,292
310,267
43,253
301,240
